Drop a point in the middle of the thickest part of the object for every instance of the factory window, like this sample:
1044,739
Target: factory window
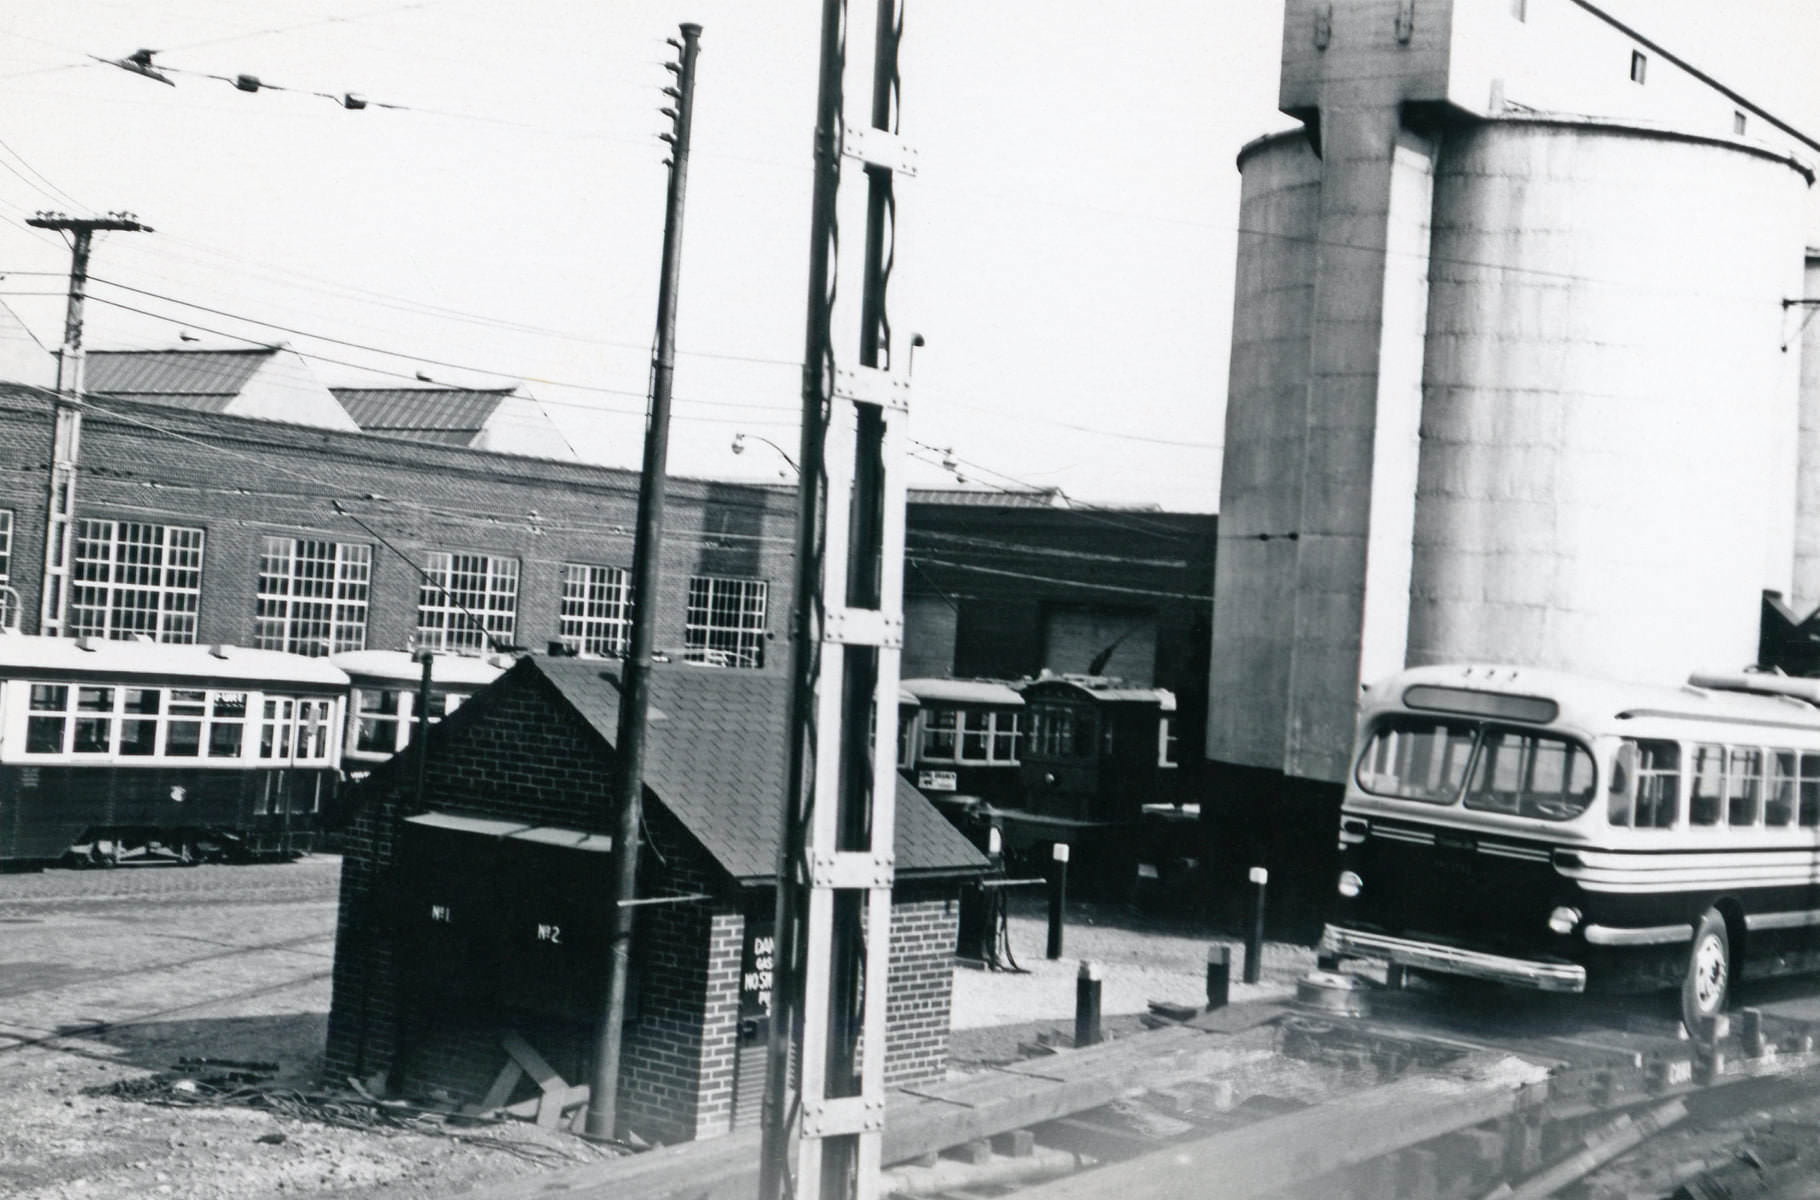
596,614
132,578
1738,123
312,596
6,544
1639,66
468,602
725,625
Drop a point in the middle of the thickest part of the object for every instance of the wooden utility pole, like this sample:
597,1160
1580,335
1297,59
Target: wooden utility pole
635,673
825,1094
66,432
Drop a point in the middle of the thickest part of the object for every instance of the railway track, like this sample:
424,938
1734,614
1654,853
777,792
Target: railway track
1457,1094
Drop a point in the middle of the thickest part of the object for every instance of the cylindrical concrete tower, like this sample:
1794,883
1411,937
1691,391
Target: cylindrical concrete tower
1608,459
1266,429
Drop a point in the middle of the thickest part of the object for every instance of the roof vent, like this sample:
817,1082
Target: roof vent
218,650
85,642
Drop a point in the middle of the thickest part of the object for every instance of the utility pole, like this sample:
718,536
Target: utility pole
635,673
825,1095
66,431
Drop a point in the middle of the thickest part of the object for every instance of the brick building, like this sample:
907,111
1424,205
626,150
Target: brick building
203,526
518,787
1007,585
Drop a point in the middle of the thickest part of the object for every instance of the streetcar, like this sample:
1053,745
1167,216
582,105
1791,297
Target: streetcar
113,750
384,686
1568,834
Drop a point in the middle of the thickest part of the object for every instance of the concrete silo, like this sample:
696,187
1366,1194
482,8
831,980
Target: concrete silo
1508,383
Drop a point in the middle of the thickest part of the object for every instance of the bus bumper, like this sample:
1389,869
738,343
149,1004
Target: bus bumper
1451,960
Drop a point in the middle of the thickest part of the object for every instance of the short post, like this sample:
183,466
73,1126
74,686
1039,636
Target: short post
1751,1032
1087,1004
1254,926
1058,896
1219,976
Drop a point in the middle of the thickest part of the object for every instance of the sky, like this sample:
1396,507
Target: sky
1066,249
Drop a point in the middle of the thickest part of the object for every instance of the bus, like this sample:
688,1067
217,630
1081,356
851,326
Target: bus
113,750
1548,831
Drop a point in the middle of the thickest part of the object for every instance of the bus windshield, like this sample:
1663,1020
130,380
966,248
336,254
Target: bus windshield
1489,769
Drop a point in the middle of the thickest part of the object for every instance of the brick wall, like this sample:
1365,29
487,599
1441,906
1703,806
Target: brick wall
242,480
920,983
515,752
512,754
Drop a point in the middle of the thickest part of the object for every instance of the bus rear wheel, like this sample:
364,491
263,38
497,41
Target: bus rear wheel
1707,981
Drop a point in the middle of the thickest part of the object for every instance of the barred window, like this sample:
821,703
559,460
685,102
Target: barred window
132,578
467,602
312,596
596,614
726,622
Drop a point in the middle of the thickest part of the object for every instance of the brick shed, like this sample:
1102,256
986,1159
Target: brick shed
511,833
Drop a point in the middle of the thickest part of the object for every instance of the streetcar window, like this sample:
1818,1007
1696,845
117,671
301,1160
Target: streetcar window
1704,799
1417,758
1658,784
1808,790
275,729
939,733
1531,775
313,718
987,736
227,724
94,720
1004,737
1744,785
1083,735
183,736
377,726
139,721
1779,804
44,734
976,736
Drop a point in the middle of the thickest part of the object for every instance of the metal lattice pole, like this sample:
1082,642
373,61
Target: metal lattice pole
825,1096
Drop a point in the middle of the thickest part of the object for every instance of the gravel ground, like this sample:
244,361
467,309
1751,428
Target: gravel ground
108,979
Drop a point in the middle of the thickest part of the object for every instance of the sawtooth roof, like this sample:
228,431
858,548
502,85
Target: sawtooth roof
208,380
716,759
452,415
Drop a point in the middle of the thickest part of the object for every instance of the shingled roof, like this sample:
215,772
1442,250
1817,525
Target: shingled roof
716,759
208,380
453,415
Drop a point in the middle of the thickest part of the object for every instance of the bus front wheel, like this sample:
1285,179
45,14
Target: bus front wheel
1708,976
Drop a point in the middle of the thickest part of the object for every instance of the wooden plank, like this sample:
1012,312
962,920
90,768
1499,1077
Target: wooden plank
1278,1153
503,1083
531,1061
1237,1018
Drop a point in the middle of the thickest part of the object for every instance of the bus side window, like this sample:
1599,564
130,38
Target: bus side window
1779,806
1620,805
1744,788
1658,784
1809,790
1704,799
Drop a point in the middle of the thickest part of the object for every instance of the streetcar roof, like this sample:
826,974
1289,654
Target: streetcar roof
402,665
1589,702
962,691
22,654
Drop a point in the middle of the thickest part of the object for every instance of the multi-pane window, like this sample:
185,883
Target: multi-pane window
726,621
312,596
132,578
986,735
6,544
376,718
169,722
596,615
468,602
1658,788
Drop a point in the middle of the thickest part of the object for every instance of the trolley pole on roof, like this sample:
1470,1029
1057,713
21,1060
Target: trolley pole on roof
634,688
824,1088
66,431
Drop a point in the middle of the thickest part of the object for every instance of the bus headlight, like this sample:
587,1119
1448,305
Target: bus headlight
1564,919
1350,884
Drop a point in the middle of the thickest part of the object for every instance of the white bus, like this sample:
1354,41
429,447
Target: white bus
1561,833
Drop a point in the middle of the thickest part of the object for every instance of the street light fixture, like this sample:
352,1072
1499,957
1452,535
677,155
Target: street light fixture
739,447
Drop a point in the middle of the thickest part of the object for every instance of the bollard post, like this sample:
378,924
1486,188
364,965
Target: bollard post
1087,1004
1219,976
1751,1032
1254,926
1058,896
